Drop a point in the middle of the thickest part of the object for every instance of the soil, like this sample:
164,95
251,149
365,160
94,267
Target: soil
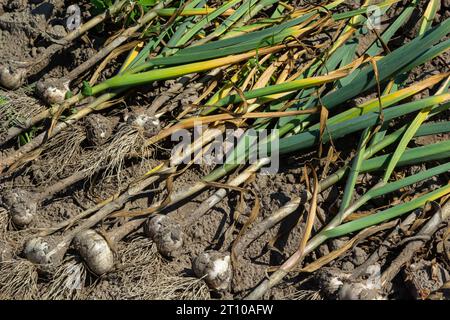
141,273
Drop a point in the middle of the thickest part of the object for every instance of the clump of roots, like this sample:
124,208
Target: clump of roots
68,281
4,220
16,108
61,155
6,250
143,275
304,295
169,287
18,280
137,253
11,241
128,142
139,267
136,271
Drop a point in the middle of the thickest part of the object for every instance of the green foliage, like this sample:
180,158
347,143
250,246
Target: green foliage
136,8
87,89
100,5
27,136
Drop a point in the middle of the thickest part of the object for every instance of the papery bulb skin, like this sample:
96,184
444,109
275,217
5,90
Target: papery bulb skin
21,205
12,78
95,251
167,235
215,268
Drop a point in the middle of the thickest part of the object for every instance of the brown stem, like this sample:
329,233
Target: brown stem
384,247
71,221
176,87
218,196
268,223
15,156
59,251
124,36
121,232
62,184
168,94
412,247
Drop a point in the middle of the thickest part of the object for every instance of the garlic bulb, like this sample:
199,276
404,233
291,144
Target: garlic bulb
98,129
216,269
95,251
37,251
52,90
368,288
12,78
166,234
21,205
149,124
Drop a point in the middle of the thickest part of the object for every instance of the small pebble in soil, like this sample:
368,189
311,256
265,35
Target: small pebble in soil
57,31
323,250
290,178
198,234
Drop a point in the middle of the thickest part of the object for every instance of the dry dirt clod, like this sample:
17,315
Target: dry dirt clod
95,251
358,256
216,269
21,205
167,235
